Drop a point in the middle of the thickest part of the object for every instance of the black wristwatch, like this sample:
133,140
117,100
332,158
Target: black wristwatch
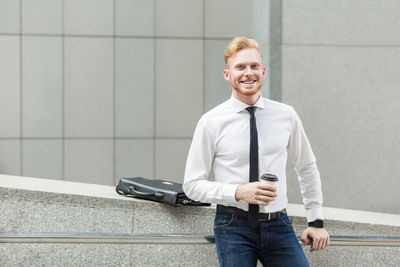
317,224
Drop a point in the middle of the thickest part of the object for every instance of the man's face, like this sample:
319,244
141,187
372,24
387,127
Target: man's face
245,72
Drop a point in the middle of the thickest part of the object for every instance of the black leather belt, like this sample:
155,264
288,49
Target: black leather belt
244,214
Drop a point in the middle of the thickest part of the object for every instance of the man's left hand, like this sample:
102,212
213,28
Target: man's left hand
318,238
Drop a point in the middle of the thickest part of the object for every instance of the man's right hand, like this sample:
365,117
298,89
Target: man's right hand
256,193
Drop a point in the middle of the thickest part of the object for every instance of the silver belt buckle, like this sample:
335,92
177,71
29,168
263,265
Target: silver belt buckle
269,216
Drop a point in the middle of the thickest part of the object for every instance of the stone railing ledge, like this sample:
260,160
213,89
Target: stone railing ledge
60,187
347,215
105,191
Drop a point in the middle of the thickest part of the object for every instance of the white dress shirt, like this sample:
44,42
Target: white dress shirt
218,159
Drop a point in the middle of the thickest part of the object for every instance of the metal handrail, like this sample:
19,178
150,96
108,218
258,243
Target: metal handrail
103,238
375,241
108,238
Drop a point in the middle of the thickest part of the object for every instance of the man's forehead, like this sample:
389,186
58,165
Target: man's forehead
245,56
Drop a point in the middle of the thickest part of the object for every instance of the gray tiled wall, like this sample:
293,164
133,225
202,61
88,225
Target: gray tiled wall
43,158
134,17
10,84
89,160
88,17
167,151
183,18
134,157
10,16
88,87
10,156
93,90
42,16
227,18
342,22
134,87
213,74
179,86
42,86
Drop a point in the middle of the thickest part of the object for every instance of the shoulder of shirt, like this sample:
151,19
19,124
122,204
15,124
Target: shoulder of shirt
272,104
218,111
279,107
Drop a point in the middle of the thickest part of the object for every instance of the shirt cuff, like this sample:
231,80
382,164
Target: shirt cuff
314,214
229,193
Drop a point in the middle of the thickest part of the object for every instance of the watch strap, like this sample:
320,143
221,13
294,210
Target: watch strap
317,223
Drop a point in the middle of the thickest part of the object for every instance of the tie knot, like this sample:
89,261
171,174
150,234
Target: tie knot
251,110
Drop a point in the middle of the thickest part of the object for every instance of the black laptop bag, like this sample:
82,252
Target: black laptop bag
156,190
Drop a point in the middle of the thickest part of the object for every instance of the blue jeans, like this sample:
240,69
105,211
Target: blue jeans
274,242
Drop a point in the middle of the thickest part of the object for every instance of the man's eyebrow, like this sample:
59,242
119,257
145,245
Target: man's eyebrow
247,63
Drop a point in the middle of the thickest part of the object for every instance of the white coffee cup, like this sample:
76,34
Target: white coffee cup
268,178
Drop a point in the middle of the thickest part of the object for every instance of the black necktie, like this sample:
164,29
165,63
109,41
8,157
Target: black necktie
253,174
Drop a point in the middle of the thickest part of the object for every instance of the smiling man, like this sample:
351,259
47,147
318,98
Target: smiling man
235,143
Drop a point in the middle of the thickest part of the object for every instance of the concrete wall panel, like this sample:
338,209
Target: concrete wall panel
228,18
42,16
183,18
42,93
357,22
89,161
179,87
88,87
134,158
134,88
171,159
42,158
10,157
134,17
10,91
88,17
10,16
348,98
217,89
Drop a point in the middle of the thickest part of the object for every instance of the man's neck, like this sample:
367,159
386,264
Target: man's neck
247,99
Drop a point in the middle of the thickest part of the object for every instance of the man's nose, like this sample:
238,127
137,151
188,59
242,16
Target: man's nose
248,71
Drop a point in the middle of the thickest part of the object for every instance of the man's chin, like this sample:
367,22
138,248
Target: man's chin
248,92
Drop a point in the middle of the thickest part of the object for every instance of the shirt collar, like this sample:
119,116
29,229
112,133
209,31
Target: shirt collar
239,105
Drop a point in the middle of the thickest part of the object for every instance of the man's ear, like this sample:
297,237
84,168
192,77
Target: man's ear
226,74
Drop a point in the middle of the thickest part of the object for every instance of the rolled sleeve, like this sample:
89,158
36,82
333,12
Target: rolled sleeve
313,214
229,193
